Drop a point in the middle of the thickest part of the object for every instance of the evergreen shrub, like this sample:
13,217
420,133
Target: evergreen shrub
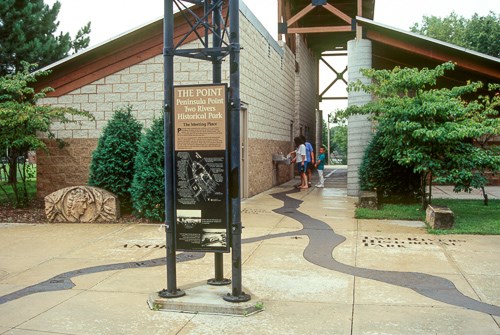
112,166
389,179
148,190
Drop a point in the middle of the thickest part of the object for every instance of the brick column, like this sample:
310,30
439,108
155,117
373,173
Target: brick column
359,127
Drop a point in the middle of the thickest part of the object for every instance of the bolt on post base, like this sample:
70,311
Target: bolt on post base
176,294
243,297
219,282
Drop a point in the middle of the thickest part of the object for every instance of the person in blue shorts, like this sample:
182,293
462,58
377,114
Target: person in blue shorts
309,159
320,166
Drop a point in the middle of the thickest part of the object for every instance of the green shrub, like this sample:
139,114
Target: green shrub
112,166
148,190
390,180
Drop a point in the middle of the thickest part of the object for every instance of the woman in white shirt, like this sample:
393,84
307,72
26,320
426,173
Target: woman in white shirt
300,159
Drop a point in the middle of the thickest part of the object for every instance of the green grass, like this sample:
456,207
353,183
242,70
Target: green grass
6,188
471,216
4,199
30,171
393,212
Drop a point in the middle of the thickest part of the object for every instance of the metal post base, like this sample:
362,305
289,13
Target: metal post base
241,298
219,282
165,294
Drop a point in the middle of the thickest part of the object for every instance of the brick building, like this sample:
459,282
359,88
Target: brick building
279,84
278,94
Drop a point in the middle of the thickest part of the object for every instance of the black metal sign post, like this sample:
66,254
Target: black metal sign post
180,204
237,294
219,279
168,59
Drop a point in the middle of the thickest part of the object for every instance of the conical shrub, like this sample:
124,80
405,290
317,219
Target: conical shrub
112,166
148,190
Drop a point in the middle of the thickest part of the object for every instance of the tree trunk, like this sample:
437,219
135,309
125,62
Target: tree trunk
430,189
12,170
423,186
13,158
485,196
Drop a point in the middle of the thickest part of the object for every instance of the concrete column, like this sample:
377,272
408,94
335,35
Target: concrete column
319,132
359,129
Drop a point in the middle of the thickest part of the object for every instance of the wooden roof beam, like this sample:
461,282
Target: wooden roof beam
305,30
337,13
300,15
312,30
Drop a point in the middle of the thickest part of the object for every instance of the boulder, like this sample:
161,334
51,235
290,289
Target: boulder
368,200
439,217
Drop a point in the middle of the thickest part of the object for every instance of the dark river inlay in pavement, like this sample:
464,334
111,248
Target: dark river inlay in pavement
322,241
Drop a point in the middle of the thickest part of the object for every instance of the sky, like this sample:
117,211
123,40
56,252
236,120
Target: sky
111,18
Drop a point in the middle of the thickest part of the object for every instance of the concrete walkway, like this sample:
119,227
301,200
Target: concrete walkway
315,269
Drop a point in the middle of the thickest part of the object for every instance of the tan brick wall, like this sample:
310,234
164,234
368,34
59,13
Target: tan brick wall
263,173
59,168
306,91
267,85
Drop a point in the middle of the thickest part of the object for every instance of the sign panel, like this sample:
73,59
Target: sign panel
200,143
200,117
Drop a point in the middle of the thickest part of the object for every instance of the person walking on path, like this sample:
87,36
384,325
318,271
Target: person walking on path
300,159
309,159
320,166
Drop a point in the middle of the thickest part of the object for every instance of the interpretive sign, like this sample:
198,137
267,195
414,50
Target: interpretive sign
200,143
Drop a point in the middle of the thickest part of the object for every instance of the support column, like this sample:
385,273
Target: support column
319,132
237,294
359,129
168,70
219,279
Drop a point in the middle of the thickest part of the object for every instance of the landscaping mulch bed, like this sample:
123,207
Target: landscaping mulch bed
35,213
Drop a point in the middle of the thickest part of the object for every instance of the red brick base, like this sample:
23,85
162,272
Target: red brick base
263,174
69,166
59,168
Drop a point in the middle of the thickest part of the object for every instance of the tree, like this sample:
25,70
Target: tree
385,176
479,33
148,186
112,166
338,140
21,119
27,29
324,132
482,157
433,131
338,137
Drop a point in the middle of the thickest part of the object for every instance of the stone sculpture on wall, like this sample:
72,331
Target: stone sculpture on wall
82,204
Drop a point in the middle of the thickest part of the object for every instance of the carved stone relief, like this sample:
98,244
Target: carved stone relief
82,204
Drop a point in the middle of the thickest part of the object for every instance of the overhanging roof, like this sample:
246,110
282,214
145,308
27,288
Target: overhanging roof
326,25
116,54
127,49
394,47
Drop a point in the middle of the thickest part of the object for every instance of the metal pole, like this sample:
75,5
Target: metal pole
217,79
168,72
328,136
237,295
